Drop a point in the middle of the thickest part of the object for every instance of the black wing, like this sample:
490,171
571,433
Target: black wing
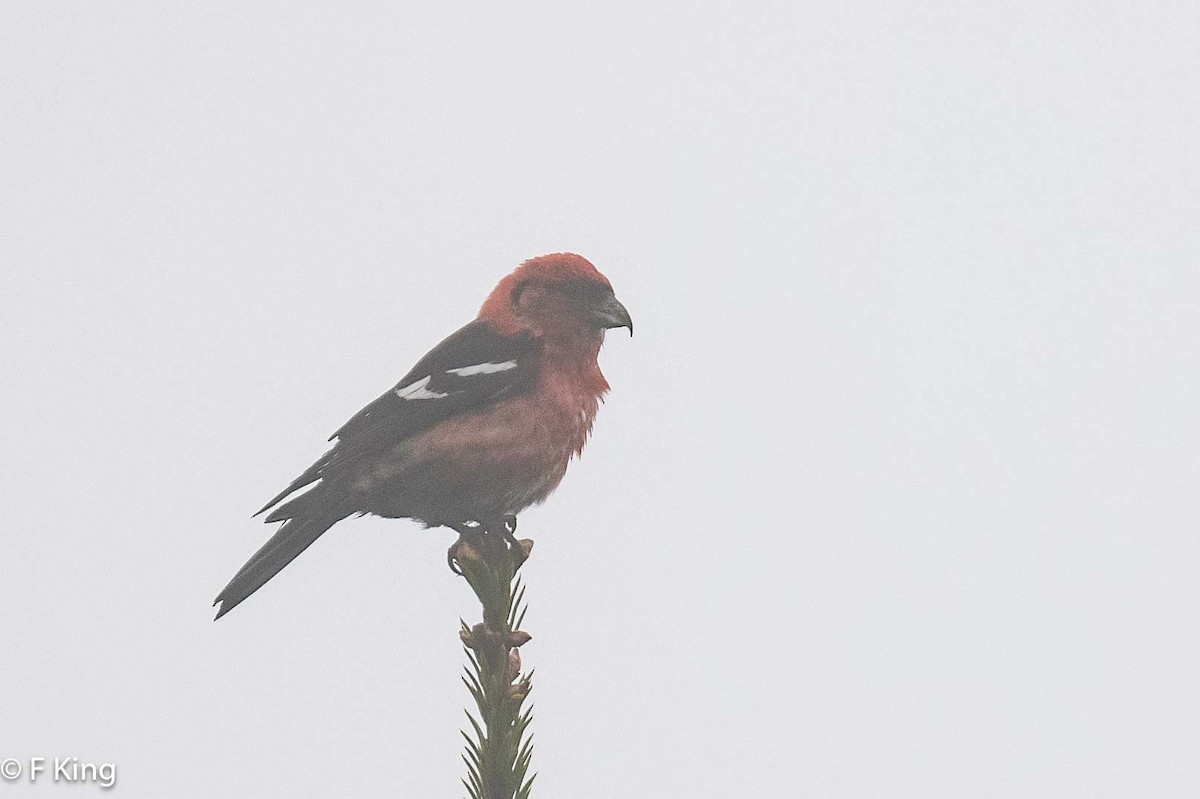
472,367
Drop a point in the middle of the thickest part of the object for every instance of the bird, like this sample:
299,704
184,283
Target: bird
480,429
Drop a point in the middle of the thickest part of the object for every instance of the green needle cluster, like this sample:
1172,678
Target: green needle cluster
499,751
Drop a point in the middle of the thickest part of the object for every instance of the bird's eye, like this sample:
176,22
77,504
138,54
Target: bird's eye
585,292
515,297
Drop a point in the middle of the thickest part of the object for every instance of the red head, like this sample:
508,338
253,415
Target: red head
555,297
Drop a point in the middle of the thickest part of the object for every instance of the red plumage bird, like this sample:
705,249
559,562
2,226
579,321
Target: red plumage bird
480,429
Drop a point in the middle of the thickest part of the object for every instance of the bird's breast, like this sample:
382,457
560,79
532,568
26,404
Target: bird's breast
495,461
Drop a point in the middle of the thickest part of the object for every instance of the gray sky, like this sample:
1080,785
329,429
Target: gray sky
894,495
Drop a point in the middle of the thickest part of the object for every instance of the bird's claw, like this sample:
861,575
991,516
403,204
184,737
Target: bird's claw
508,529
467,535
474,536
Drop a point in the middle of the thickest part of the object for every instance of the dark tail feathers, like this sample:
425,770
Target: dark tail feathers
308,516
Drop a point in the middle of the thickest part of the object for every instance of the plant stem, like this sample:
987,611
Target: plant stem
499,753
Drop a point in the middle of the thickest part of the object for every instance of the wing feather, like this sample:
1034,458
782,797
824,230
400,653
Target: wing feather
473,367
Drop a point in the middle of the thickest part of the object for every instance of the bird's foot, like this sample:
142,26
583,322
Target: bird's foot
468,536
520,552
488,541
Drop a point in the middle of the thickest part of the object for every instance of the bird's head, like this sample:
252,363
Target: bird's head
558,296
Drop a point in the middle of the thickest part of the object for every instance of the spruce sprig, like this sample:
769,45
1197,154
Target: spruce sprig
499,746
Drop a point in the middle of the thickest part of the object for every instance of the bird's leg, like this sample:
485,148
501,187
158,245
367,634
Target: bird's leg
467,534
508,528
490,538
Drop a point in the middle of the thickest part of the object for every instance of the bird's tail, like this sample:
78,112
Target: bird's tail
307,517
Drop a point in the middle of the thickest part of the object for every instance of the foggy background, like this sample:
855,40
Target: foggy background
896,490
